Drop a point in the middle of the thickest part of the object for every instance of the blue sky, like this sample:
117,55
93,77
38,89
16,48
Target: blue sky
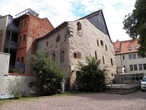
58,11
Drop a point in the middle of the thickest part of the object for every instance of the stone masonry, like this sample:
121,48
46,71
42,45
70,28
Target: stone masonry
73,41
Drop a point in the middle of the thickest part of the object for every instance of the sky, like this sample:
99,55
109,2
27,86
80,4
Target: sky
58,11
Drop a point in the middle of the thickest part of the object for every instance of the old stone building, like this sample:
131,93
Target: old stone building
72,41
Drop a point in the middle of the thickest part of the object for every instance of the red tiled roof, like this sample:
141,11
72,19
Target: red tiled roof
127,46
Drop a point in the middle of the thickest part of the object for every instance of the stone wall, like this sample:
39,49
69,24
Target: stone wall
87,42
12,85
4,64
54,45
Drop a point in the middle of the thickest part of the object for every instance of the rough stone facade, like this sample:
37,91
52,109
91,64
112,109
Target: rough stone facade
73,41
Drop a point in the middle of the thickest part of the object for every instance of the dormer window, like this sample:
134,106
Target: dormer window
137,47
79,26
129,48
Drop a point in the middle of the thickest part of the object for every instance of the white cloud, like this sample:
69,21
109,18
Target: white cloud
59,11
113,13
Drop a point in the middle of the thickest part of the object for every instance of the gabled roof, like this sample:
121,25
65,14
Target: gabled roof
101,24
128,46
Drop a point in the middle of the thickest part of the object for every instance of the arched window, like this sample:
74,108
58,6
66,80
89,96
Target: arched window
111,61
95,55
54,56
47,43
106,47
103,60
97,43
101,42
62,55
79,26
58,38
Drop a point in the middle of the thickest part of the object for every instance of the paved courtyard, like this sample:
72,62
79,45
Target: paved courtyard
99,101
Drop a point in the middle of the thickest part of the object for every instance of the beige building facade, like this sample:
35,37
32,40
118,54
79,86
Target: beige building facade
73,41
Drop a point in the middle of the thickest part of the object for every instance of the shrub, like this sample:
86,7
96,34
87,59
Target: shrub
90,78
49,77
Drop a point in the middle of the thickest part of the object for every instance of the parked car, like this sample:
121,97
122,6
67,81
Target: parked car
143,84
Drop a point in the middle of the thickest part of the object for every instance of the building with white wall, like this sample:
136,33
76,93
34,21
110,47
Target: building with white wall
127,57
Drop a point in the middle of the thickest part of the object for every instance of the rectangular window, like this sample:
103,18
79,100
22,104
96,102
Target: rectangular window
134,56
62,56
123,57
25,24
139,56
135,67
24,37
140,67
103,60
131,67
144,66
130,57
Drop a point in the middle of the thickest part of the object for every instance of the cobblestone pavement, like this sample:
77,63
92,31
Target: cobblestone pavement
99,101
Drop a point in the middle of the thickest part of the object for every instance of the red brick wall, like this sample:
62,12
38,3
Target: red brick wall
34,28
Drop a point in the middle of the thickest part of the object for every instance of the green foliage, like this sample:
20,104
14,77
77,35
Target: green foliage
49,77
90,78
135,25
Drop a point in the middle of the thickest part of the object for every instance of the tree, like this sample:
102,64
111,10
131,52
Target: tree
90,78
135,25
49,77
